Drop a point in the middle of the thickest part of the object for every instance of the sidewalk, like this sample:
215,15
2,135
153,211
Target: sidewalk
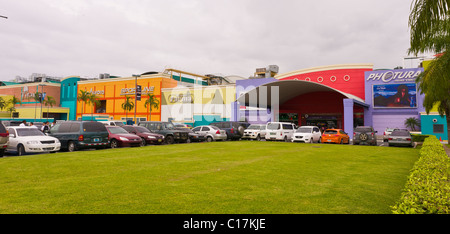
446,148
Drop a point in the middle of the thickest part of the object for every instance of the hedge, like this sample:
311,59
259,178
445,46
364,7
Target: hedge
427,189
419,137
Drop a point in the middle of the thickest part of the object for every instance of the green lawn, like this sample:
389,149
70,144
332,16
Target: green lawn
218,177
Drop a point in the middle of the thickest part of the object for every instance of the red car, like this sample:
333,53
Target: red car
147,136
121,138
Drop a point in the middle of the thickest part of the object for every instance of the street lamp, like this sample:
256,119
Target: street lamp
42,97
137,95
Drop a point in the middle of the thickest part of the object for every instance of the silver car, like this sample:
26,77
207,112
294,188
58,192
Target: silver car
255,131
211,133
387,133
400,137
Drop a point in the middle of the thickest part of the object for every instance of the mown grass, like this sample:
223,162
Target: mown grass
219,177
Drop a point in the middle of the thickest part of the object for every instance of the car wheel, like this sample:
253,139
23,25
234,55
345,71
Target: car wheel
114,143
285,139
258,138
20,150
320,140
342,141
188,140
143,143
169,140
2,152
209,139
71,146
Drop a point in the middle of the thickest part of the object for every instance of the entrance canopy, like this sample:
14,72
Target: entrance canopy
287,89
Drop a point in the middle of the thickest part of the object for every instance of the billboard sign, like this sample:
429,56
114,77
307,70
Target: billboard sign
395,95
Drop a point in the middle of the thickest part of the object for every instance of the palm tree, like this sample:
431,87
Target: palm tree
430,32
83,96
93,100
412,123
50,101
151,101
3,103
37,99
11,109
13,101
128,105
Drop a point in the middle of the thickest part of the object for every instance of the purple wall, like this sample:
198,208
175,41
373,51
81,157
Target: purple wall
379,88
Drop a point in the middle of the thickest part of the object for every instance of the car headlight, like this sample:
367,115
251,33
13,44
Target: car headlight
151,137
123,139
32,142
56,141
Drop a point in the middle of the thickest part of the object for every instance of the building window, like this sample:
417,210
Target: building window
438,128
102,107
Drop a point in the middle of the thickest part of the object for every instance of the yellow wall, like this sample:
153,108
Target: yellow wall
115,90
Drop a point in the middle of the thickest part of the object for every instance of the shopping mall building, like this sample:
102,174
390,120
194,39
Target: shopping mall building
339,96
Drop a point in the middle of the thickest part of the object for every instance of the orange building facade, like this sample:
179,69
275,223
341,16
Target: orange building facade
113,92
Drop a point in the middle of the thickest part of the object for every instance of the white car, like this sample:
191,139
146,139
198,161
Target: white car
255,131
113,123
24,140
211,133
279,131
307,134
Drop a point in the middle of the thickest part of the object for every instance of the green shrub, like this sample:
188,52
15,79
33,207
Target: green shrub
419,137
427,190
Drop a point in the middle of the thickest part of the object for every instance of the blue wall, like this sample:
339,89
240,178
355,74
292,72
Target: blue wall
69,87
427,125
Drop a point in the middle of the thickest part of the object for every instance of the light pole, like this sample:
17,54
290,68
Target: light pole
42,97
136,96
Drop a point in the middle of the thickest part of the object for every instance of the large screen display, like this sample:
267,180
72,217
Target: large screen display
395,96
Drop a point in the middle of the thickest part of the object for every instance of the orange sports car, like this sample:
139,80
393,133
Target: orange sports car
335,136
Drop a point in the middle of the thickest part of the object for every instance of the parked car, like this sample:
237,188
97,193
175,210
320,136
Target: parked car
234,129
255,131
211,133
279,131
364,135
307,134
387,133
119,137
4,139
167,129
146,135
113,123
193,137
8,123
178,125
27,139
400,137
75,135
335,136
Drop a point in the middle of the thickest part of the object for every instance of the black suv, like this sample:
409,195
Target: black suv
364,135
75,135
234,129
167,129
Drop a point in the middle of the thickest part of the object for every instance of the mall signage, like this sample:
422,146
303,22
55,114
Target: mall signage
132,91
395,76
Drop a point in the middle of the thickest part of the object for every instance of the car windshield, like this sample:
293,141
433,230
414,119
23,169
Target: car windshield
273,126
400,133
330,132
170,126
257,127
304,130
141,129
363,129
117,130
119,123
29,132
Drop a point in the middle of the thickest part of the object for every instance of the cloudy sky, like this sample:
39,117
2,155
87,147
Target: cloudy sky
229,37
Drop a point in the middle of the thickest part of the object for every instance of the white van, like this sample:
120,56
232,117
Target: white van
113,123
279,131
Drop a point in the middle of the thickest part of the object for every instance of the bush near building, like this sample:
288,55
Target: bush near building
428,187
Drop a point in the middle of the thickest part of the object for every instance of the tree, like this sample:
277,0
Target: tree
3,103
84,97
152,102
37,98
128,105
93,100
11,109
13,101
430,32
50,101
412,123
